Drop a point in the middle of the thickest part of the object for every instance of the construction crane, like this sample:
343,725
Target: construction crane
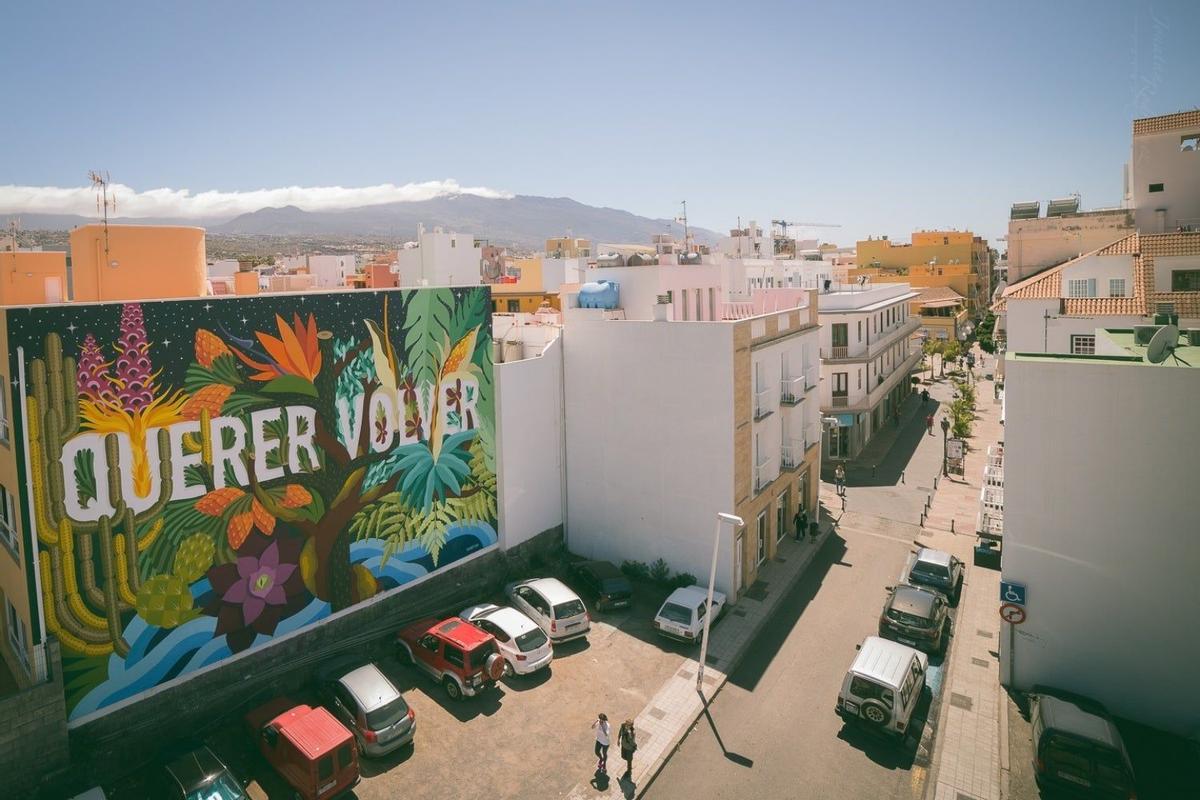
783,246
783,225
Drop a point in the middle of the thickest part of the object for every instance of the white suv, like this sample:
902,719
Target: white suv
556,609
883,685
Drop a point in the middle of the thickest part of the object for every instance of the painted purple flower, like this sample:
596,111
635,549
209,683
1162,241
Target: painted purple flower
134,372
253,594
91,378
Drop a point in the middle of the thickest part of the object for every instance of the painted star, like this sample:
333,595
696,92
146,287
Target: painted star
244,320
208,306
71,327
166,342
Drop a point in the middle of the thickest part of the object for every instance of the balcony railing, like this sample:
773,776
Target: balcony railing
791,454
993,476
762,404
763,475
791,391
835,352
812,377
990,523
991,498
841,400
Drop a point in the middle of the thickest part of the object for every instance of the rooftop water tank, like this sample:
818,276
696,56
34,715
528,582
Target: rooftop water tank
600,294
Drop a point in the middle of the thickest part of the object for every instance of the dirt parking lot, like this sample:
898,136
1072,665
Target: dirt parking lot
528,737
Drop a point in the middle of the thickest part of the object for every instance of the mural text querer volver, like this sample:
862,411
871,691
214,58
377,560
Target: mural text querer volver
206,475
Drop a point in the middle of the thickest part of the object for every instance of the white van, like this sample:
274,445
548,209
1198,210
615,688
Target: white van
883,685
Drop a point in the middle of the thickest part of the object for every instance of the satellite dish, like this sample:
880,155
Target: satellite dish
1162,344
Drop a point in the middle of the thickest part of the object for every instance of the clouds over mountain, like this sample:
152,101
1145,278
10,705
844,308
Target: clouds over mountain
181,203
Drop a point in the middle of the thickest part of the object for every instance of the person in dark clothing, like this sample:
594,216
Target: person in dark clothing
801,522
627,741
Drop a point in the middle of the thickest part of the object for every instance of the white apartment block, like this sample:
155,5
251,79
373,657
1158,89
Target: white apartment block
867,358
439,258
1164,172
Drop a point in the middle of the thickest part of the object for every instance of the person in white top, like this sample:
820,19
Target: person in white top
602,732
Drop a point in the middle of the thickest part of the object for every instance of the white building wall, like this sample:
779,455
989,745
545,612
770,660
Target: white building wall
1034,244
331,270
1036,326
223,268
649,440
1165,265
1102,269
641,286
1099,525
529,445
1158,159
440,258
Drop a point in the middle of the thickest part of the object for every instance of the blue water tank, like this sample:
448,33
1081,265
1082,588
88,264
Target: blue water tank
600,294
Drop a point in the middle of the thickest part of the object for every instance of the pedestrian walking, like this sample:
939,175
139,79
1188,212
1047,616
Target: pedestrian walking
925,396
602,732
627,741
929,424
839,477
801,522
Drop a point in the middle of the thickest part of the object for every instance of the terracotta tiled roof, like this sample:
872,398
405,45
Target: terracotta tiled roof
933,294
1167,122
1144,248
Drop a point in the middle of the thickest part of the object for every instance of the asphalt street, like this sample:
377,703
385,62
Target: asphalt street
772,731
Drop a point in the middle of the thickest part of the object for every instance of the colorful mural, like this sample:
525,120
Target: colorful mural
209,474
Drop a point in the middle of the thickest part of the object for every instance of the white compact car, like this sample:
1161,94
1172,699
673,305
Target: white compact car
682,615
556,609
524,645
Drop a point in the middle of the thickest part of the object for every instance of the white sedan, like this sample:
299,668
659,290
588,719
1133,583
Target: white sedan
682,615
524,645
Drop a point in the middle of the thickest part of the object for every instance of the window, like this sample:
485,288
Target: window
945,240
343,754
1081,287
514,306
1116,287
16,632
860,330
841,384
859,372
1189,143
453,655
8,522
840,334
1083,345
325,767
762,536
1156,187
453,243
1185,280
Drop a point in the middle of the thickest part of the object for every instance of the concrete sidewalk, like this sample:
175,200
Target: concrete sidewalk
670,714
970,759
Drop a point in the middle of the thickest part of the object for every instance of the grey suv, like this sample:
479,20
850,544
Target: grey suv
937,570
916,617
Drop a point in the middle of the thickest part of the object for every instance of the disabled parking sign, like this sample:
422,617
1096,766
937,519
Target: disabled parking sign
1012,593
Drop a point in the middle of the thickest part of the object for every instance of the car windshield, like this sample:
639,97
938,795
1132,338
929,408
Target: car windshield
908,619
222,787
571,608
531,640
927,570
387,715
615,586
674,612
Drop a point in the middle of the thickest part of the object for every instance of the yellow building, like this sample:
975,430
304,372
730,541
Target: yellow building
527,294
942,311
568,248
956,259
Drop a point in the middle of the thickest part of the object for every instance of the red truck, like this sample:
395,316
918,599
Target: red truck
456,654
307,746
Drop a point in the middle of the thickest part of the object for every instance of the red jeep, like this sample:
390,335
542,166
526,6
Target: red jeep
456,654
307,746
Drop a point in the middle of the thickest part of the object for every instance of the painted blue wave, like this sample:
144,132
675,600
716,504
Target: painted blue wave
155,653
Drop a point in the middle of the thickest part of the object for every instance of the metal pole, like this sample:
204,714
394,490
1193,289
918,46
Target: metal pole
736,521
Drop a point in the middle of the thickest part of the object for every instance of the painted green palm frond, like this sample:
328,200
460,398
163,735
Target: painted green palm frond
471,311
427,323
85,477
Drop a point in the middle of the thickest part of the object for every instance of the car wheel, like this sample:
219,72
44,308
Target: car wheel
508,669
874,713
452,689
406,656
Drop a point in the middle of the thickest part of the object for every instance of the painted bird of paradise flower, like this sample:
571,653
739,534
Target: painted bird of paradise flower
293,354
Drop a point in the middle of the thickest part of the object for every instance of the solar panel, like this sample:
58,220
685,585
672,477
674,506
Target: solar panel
1026,210
1065,205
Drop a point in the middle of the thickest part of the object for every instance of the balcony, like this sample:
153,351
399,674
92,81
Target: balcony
791,454
866,351
762,404
791,391
841,400
763,475
812,377
836,352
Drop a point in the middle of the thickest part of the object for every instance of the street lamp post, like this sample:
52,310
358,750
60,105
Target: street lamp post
736,522
945,432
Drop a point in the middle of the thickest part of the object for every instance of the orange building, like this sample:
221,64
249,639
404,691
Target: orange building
133,262
30,277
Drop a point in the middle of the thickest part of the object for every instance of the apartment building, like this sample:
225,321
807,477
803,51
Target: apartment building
867,357
568,247
1037,242
439,258
1099,463
957,259
942,313
1164,173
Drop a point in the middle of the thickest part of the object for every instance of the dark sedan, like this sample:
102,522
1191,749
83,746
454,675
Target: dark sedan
608,588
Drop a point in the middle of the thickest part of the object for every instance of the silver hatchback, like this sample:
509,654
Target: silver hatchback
366,702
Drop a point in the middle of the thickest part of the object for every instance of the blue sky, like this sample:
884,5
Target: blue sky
882,117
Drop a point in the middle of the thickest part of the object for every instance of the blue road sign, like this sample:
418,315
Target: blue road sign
1012,593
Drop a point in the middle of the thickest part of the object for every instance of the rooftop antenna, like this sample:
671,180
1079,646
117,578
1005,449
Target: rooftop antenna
100,181
687,244
14,223
1163,344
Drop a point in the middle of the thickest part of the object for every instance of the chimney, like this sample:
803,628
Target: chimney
662,308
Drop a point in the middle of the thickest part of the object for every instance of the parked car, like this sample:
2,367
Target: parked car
556,609
681,616
987,552
370,705
524,645
1077,747
916,617
937,570
307,746
462,658
195,774
604,584
883,685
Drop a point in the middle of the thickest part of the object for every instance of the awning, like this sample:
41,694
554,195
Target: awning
845,420
941,303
